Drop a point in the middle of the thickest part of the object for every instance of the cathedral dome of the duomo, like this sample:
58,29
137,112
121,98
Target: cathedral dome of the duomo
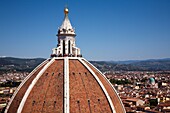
65,83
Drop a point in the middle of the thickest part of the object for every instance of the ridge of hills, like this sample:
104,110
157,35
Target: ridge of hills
8,64
134,65
19,64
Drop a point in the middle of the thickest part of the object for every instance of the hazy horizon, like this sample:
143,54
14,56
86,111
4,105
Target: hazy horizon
87,59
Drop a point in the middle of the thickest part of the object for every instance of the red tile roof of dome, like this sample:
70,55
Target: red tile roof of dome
47,89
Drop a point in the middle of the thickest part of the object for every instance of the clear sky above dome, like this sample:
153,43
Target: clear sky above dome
106,29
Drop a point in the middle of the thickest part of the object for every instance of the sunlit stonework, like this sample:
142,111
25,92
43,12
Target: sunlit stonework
66,40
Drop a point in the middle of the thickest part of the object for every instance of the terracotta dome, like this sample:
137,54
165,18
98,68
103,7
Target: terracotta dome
65,83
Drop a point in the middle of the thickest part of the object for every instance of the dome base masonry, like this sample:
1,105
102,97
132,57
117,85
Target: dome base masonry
65,83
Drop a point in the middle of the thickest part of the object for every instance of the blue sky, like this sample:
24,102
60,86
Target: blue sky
106,29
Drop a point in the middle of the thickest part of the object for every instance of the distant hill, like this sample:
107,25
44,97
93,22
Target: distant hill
27,65
19,64
154,64
134,65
